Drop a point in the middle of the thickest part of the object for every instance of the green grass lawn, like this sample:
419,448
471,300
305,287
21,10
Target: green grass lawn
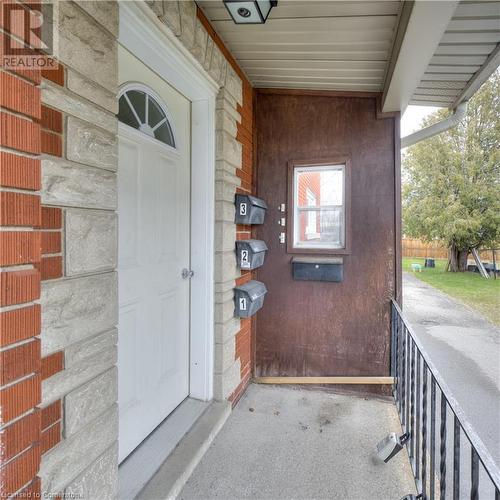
479,293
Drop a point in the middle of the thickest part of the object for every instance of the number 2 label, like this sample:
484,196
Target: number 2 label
244,258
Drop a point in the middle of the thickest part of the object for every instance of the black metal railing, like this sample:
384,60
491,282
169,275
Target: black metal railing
446,463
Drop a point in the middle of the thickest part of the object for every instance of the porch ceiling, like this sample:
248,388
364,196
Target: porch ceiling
426,53
468,53
313,44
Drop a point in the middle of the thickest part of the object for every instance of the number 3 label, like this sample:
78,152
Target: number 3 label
243,208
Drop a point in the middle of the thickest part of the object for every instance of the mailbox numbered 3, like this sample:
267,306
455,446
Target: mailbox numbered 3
249,209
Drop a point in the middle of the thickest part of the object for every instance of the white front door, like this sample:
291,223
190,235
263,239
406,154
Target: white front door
154,248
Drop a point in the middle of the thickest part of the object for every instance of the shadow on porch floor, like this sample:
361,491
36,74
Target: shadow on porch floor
282,442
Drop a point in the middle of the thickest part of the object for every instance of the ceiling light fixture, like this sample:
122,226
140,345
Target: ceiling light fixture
250,12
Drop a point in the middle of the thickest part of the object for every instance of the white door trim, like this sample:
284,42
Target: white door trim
148,39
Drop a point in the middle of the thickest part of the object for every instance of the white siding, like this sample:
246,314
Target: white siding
472,36
311,44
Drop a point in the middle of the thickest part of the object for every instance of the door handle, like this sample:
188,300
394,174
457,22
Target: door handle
187,274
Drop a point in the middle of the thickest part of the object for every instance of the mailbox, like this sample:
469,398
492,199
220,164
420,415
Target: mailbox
317,269
248,298
250,253
249,209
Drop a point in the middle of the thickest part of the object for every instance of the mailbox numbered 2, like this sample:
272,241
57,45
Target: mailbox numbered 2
250,253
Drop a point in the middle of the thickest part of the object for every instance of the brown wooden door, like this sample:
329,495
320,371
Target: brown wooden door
309,328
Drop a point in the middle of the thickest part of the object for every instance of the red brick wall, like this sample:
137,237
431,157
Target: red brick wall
30,251
20,256
245,137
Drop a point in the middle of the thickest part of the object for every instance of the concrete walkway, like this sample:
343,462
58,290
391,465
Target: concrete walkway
465,348
282,442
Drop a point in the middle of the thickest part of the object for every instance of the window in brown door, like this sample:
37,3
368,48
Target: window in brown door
317,207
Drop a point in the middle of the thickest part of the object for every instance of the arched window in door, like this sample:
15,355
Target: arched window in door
140,109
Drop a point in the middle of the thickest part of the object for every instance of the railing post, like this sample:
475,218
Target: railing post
404,376
417,417
432,473
442,449
456,459
424,430
474,472
412,400
408,387
393,342
400,370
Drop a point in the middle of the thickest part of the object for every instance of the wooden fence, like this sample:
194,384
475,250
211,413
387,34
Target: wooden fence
413,247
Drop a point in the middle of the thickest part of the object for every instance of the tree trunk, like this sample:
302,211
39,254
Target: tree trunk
462,260
457,258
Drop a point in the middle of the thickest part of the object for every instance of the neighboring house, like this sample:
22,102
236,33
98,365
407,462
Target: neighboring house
119,171
308,196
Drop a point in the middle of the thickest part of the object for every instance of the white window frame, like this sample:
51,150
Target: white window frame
151,93
312,245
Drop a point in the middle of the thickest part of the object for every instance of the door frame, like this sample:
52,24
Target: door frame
153,43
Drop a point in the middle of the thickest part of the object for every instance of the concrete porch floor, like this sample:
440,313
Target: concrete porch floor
283,442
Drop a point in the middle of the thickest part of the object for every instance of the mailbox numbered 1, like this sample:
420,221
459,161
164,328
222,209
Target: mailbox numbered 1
249,298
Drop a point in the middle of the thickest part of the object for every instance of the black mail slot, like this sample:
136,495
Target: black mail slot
317,269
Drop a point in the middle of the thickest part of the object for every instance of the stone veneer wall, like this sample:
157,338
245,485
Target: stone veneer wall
79,284
69,243
79,191
243,348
